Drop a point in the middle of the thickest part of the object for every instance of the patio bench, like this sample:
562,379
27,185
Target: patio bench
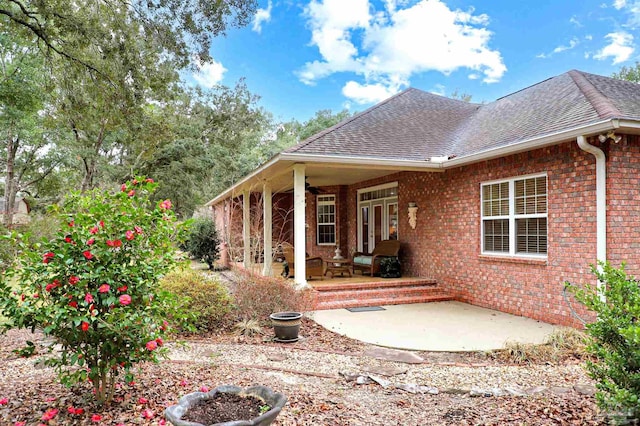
371,261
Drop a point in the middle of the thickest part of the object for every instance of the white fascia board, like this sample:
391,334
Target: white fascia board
534,143
362,161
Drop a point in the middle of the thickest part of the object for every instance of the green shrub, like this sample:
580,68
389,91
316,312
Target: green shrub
202,241
8,248
204,297
94,286
615,340
257,297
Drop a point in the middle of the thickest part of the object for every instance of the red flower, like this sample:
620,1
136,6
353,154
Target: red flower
75,411
162,422
159,341
165,205
96,418
131,193
142,400
88,298
204,389
148,414
90,241
101,223
49,414
123,187
68,240
48,257
149,180
50,287
125,299
22,296
129,235
72,224
73,304
104,288
35,296
122,289
114,243
94,230
164,325
87,254
84,326
20,424
73,280
135,181
4,401
184,383
137,229
151,345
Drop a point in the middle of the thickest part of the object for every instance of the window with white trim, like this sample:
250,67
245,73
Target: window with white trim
514,216
326,209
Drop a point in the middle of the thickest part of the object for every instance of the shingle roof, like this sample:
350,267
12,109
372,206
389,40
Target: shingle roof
416,125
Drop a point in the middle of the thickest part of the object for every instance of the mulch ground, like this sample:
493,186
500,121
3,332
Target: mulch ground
33,394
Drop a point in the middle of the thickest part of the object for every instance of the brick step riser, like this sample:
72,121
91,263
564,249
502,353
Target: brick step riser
376,285
379,302
380,293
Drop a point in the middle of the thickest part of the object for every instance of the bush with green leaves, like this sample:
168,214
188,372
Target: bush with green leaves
615,339
202,241
204,297
94,288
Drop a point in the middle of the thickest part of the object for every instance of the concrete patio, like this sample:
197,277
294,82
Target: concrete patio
439,326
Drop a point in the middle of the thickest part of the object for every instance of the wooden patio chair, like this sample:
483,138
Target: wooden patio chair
370,262
314,265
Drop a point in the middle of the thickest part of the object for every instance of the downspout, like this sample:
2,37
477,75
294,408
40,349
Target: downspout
601,204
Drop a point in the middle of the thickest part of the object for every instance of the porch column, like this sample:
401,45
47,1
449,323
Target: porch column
246,228
267,217
299,229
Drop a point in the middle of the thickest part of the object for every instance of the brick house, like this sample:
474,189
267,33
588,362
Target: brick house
510,198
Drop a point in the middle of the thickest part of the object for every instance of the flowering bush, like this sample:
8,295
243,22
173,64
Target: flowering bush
94,286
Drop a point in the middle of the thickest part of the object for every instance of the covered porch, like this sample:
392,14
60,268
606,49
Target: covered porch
307,183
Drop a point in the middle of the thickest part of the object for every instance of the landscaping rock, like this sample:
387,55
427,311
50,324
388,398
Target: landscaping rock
386,370
557,390
515,391
536,390
584,389
394,355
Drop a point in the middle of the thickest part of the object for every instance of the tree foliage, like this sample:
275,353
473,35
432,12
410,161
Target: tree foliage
631,73
202,241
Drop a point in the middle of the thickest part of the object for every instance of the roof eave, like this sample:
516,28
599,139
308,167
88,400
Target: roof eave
537,142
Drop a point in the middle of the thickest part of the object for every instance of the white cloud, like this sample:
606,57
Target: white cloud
438,89
368,93
588,37
209,74
261,16
387,47
619,4
620,47
575,21
572,43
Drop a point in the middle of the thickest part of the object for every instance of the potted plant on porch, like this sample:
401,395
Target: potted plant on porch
227,405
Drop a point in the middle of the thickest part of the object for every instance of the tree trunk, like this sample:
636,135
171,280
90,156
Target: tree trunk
10,189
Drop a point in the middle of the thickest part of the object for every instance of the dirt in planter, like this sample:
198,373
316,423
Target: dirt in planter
225,407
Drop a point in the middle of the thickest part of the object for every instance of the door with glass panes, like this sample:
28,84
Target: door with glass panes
377,216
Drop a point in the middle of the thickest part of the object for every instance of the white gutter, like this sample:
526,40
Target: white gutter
601,203
539,142
360,161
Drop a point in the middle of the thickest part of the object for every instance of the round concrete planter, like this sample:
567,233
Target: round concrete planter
275,400
286,326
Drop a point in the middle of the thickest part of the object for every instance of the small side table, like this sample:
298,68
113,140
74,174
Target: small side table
338,265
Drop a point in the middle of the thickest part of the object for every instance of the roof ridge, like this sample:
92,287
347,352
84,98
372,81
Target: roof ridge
603,105
336,126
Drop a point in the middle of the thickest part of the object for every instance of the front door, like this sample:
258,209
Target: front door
378,216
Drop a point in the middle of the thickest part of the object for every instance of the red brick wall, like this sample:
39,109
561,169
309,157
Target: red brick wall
446,242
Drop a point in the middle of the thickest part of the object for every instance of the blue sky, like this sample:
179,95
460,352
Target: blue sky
301,57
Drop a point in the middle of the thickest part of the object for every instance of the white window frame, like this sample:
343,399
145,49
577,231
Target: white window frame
512,216
319,204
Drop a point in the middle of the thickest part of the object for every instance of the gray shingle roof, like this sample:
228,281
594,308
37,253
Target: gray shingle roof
416,125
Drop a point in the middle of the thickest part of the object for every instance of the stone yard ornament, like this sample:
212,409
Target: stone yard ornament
270,404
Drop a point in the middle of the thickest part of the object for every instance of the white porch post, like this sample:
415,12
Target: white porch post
267,228
246,229
299,230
